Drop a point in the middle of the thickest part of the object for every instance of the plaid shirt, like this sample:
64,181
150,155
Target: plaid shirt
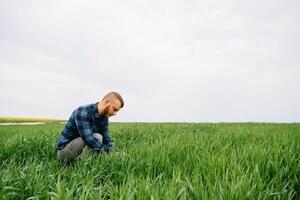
83,122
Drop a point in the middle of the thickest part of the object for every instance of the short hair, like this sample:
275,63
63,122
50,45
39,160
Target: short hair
114,95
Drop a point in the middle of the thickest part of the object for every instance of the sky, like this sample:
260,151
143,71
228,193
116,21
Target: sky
172,61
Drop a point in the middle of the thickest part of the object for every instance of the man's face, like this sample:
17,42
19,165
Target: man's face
112,109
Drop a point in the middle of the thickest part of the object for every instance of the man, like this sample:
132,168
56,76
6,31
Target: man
87,128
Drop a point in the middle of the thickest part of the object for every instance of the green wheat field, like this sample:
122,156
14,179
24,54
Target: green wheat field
164,161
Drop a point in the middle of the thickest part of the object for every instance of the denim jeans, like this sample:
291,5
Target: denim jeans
74,149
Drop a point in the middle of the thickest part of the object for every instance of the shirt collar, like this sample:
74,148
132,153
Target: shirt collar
95,110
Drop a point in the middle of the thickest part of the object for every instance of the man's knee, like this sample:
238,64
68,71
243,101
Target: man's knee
75,148
71,150
98,136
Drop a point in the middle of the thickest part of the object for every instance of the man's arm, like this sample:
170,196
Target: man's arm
106,138
85,130
108,142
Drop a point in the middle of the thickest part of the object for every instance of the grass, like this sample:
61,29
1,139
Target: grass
23,119
165,161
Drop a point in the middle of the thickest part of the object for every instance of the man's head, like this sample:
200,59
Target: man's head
110,104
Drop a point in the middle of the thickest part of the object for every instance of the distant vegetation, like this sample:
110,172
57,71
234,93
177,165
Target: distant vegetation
23,119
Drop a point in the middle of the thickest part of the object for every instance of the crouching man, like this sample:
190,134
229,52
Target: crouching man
87,129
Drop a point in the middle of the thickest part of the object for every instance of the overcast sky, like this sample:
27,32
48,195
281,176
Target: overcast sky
193,61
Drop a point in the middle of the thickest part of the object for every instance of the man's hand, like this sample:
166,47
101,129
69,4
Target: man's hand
105,148
118,151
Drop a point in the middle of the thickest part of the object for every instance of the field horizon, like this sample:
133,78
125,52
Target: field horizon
4,119
7,119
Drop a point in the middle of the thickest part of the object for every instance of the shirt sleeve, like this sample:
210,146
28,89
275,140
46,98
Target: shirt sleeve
85,130
106,138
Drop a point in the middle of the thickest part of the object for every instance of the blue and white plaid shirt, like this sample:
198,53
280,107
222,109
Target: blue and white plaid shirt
83,122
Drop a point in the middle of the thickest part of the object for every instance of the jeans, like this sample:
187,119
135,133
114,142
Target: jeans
74,149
